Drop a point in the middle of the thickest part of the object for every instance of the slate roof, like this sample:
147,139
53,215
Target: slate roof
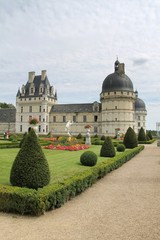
140,105
37,82
72,108
7,115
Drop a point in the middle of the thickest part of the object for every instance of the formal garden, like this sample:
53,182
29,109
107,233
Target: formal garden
38,173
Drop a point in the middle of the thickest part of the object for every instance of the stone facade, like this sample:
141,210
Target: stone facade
118,109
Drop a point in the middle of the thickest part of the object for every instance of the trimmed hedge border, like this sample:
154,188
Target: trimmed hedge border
29,201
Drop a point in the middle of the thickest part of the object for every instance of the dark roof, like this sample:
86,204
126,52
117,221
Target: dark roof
7,115
140,105
37,82
73,108
117,82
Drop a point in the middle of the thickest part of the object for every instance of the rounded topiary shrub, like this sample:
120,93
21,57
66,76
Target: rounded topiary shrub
30,168
88,158
107,149
103,137
130,139
121,147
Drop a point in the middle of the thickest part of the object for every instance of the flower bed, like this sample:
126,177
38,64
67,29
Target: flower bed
75,147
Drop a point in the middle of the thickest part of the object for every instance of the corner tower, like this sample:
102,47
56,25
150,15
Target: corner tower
35,100
117,100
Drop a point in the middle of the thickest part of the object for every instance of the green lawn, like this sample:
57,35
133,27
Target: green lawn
62,163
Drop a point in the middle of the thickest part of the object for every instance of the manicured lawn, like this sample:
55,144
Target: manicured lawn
62,163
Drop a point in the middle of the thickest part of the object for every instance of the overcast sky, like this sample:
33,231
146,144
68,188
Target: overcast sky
77,42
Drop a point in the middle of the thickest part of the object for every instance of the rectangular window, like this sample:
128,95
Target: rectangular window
39,128
115,119
139,118
139,124
20,128
84,118
74,118
39,118
30,118
21,118
95,118
21,109
40,108
54,118
115,107
95,129
47,128
31,90
30,108
64,118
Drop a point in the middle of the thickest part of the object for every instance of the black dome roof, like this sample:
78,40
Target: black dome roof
140,105
117,82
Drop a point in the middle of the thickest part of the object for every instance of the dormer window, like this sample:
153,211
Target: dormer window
32,89
23,90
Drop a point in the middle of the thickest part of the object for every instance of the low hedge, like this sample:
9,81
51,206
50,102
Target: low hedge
29,201
146,142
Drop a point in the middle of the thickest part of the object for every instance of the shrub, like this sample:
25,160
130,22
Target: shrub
30,168
13,137
88,158
130,139
120,148
142,135
107,149
95,136
23,139
150,135
79,136
103,137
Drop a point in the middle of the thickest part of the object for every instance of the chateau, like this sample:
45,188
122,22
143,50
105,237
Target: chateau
118,109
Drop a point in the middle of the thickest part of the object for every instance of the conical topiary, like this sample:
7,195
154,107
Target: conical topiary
150,135
142,135
23,139
30,167
130,139
107,149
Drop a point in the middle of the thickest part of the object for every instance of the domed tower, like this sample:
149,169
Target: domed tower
117,100
140,113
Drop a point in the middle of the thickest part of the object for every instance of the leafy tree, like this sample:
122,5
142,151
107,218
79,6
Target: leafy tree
30,167
142,135
107,149
6,105
130,139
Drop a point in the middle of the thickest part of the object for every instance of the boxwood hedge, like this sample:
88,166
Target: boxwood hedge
36,202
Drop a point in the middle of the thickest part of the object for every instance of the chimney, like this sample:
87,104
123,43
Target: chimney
121,69
31,76
43,74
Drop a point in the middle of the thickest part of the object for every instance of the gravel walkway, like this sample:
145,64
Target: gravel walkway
124,205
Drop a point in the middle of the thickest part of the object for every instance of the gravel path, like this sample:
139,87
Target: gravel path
124,205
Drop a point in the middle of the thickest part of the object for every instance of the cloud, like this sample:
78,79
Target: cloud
77,43
140,61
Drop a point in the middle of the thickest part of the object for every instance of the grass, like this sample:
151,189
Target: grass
63,164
